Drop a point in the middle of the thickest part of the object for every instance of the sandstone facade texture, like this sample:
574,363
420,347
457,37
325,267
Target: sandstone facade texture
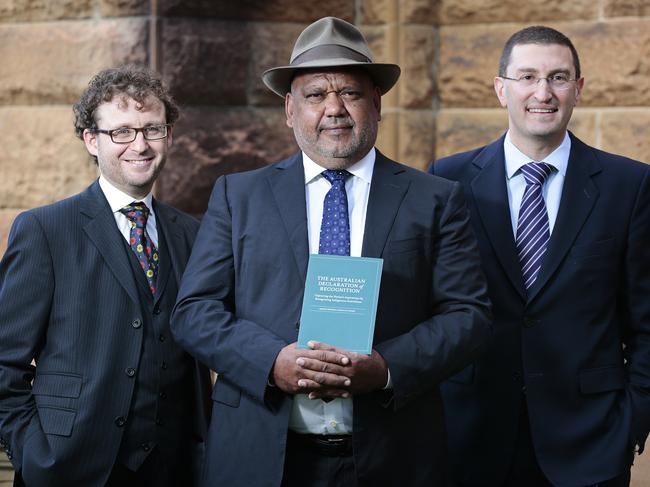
212,54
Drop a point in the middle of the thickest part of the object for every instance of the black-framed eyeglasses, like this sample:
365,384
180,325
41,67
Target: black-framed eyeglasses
126,135
557,81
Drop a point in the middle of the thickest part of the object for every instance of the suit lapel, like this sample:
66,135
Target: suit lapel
579,195
387,191
490,195
103,233
170,237
287,182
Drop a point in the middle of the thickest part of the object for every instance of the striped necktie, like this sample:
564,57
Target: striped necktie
532,224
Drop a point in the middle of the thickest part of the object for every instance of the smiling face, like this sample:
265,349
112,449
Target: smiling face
538,116
334,115
132,167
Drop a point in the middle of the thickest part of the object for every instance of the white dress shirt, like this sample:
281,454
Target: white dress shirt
315,416
551,190
118,200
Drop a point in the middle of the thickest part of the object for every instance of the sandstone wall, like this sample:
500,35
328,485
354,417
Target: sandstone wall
212,54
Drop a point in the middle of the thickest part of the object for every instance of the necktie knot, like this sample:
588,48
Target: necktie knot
137,212
536,172
335,175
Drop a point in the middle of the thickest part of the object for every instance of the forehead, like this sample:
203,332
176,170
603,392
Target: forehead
332,76
123,106
541,57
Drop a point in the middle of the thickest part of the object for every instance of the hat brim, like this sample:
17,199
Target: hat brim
278,80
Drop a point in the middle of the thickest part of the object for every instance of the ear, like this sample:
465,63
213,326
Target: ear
579,86
288,109
500,90
90,140
376,100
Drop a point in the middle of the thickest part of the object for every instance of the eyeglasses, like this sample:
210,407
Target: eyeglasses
126,135
559,82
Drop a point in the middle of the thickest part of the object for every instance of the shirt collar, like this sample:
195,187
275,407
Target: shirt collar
118,199
361,169
559,158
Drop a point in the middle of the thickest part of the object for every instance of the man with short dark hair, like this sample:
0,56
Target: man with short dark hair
87,285
285,416
562,394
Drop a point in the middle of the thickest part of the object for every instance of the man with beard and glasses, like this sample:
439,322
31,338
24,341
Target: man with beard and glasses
562,394
284,416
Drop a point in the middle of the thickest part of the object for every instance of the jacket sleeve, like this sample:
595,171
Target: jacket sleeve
636,296
26,290
460,319
205,322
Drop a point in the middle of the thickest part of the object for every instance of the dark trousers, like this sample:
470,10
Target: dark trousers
306,467
154,472
525,471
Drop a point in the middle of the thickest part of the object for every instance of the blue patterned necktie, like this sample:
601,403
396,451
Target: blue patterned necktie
532,224
335,226
140,243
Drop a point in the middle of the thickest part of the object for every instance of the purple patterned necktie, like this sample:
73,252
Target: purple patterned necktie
140,243
532,224
335,226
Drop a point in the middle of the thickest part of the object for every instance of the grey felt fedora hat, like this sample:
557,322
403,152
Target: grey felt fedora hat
329,43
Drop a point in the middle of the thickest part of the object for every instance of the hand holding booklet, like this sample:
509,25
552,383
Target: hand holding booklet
340,302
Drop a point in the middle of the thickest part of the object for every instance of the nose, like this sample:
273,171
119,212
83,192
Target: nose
139,143
334,106
543,90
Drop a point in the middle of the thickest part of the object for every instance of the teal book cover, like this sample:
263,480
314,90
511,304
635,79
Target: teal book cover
340,302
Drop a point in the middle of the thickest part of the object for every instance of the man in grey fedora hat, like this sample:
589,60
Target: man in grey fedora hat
323,416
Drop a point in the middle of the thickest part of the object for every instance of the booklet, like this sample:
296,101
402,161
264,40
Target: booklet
340,302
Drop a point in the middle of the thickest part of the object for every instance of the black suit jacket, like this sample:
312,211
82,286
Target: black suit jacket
68,299
240,303
579,342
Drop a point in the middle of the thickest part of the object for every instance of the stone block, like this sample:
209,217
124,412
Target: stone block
205,61
468,63
627,132
417,138
615,59
420,11
52,62
530,11
38,10
383,42
627,8
7,217
374,12
271,46
388,135
583,125
42,160
641,471
211,142
123,8
259,10
417,46
462,130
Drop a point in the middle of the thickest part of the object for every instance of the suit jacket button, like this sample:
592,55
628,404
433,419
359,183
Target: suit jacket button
120,421
130,371
156,310
137,323
530,322
146,447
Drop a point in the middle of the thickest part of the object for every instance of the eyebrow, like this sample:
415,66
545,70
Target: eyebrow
552,71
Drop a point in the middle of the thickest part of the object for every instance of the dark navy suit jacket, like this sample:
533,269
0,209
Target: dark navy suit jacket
68,299
579,342
240,303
